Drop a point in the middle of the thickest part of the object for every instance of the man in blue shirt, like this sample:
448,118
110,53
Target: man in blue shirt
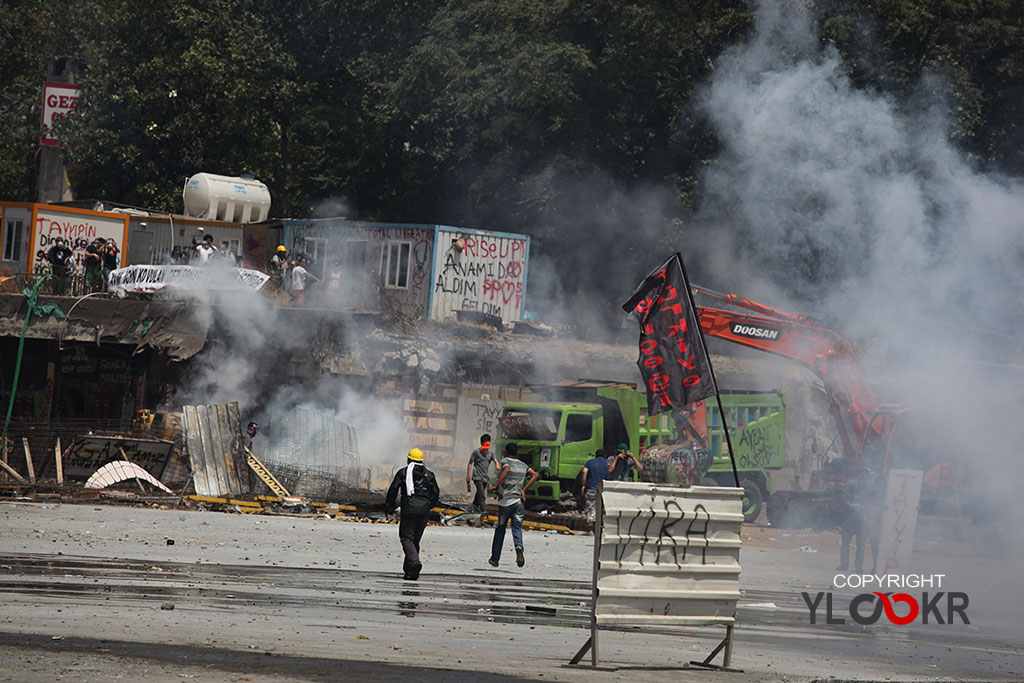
596,470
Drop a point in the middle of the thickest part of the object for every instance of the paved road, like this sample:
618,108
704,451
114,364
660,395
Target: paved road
90,592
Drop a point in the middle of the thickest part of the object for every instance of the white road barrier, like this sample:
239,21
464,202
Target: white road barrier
666,556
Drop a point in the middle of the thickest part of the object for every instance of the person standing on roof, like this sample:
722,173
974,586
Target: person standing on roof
205,251
298,276
93,264
59,256
478,472
511,489
419,493
111,259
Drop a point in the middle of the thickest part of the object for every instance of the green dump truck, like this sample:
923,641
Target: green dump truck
558,435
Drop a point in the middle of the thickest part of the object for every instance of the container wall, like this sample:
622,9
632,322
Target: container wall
369,267
479,271
79,228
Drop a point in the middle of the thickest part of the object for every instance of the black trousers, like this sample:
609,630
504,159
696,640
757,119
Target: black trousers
480,499
410,531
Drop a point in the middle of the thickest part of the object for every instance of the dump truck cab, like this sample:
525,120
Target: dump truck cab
557,437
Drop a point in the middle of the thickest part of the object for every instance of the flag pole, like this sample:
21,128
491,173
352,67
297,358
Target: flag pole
711,369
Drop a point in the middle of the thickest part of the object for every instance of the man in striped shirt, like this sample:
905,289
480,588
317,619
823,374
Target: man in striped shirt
511,488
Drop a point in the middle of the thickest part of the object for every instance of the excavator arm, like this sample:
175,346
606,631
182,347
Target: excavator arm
862,421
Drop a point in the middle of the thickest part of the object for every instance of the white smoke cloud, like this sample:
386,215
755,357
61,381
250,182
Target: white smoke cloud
854,202
851,205
252,349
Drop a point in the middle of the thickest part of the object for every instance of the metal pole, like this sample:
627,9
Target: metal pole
598,530
728,440
711,369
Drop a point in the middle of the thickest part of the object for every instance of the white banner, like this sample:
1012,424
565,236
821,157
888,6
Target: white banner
156,278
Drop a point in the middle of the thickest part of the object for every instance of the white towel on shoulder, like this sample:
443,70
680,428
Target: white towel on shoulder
409,490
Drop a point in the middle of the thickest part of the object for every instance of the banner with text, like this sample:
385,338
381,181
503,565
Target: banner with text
673,361
135,279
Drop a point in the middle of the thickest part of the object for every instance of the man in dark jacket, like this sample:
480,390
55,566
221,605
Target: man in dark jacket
59,255
419,493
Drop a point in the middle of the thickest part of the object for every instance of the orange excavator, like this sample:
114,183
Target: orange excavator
864,424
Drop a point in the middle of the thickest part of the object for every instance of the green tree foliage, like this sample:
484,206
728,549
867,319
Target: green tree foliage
548,117
27,42
976,49
556,118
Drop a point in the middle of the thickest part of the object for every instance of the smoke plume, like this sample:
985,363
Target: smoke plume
855,207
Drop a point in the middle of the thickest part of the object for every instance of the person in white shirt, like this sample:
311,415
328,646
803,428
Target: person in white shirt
298,276
205,251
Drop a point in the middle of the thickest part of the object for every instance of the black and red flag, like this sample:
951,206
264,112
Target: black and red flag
673,361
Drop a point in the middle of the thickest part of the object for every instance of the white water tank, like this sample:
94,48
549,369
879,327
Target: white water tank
224,198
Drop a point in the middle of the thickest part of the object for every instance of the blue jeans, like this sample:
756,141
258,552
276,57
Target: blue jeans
515,512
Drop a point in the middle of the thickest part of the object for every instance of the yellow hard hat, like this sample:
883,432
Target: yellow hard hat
416,454
281,247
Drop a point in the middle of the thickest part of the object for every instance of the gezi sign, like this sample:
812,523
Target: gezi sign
899,609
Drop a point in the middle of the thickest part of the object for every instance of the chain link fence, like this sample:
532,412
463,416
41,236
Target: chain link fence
313,454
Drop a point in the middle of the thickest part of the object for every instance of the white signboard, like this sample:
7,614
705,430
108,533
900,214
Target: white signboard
79,228
666,556
479,271
156,278
899,521
59,99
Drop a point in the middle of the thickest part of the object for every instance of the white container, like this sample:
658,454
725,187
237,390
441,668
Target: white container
224,198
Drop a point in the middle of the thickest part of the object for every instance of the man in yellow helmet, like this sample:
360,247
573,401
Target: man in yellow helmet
419,493
277,266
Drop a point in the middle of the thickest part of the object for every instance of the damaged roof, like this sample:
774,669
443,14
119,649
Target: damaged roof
167,327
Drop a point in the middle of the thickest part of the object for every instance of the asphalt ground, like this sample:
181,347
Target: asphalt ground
98,592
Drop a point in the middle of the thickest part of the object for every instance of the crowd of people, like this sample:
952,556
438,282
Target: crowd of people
101,257
290,275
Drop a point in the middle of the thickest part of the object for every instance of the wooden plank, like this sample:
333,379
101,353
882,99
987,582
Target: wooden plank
59,460
8,468
228,438
194,442
28,460
238,453
217,500
215,475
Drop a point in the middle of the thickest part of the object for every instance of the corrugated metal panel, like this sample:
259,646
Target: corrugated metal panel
214,439
184,231
668,555
487,275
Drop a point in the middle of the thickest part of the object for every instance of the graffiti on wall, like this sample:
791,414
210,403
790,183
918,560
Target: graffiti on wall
480,273
78,231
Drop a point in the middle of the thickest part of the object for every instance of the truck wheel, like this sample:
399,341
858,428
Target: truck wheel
753,500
